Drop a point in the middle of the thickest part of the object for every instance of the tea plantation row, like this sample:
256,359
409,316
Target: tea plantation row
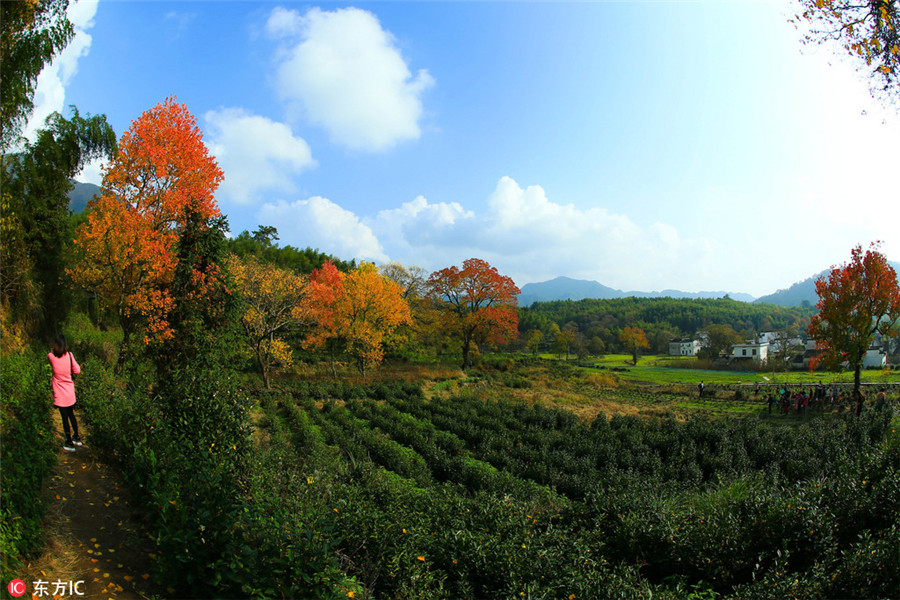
736,508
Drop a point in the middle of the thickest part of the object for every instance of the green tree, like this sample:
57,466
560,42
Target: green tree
856,301
564,340
31,34
262,245
661,339
265,235
533,339
36,183
719,337
205,310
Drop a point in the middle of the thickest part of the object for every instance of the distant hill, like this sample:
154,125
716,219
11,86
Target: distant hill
80,195
566,288
803,291
796,295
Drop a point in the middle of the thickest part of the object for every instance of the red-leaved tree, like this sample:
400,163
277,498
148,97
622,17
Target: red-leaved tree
162,177
856,301
477,305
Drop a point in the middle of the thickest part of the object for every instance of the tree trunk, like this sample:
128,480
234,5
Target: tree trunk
263,367
126,340
261,361
333,370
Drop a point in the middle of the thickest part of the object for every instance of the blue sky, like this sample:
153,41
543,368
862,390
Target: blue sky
645,145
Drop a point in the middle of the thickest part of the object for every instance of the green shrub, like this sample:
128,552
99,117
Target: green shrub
86,339
27,455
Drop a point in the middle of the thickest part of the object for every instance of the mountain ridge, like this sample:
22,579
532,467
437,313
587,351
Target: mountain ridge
804,291
568,288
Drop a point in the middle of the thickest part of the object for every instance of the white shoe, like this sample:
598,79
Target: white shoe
68,447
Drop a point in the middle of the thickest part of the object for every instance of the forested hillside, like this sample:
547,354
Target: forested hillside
261,245
599,322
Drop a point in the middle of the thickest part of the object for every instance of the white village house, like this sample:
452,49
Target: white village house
752,350
875,358
684,347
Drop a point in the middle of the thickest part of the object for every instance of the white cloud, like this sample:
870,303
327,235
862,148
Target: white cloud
320,223
284,23
50,93
92,172
257,154
531,238
419,224
342,71
525,235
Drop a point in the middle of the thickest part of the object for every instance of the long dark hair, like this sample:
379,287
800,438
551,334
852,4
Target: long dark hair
60,347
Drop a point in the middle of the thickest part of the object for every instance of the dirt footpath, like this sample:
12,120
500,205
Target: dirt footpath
97,546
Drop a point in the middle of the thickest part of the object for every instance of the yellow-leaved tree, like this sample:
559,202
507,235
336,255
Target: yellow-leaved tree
357,313
274,305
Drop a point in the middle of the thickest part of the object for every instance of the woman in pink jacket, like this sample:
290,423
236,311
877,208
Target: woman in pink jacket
64,366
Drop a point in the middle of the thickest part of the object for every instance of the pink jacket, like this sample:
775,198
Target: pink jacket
62,384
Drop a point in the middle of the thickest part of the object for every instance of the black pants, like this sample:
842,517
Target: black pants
68,415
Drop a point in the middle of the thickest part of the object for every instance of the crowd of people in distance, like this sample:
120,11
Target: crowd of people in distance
823,398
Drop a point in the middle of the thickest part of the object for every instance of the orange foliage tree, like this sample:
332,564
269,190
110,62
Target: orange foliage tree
477,305
358,312
856,300
634,338
274,304
162,176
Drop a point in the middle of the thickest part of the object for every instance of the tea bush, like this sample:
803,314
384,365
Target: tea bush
27,454
216,509
701,508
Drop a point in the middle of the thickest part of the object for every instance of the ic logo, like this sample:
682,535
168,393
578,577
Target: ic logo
16,587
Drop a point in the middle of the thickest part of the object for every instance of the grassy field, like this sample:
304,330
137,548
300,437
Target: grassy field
658,370
613,387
